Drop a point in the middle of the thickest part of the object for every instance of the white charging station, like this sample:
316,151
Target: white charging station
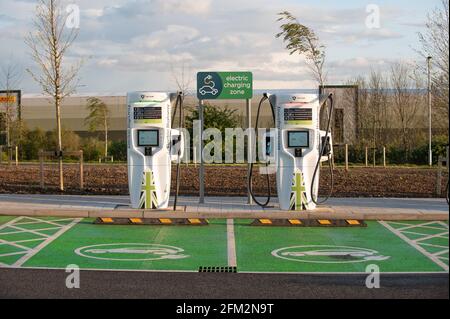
299,146
152,146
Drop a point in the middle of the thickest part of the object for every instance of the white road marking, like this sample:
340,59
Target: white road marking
231,244
13,254
4,242
441,253
35,232
434,246
441,235
11,222
26,231
50,239
435,259
413,233
424,225
242,272
38,221
30,252
443,224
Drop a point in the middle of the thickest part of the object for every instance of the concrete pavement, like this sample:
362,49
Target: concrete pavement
223,207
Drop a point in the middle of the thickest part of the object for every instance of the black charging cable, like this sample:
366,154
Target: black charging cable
178,104
325,143
250,179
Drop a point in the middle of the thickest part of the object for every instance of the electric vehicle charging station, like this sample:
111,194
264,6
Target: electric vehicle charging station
152,146
297,149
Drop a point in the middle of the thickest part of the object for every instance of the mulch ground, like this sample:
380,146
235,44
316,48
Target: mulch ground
223,181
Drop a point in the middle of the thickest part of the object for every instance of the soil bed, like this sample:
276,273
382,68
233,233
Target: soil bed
223,181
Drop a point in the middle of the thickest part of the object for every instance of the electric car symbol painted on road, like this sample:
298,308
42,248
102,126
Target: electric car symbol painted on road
328,254
131,252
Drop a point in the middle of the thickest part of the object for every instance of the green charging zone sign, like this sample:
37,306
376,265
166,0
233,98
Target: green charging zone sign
224,85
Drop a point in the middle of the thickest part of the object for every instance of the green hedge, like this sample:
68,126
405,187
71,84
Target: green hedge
395,154
118,149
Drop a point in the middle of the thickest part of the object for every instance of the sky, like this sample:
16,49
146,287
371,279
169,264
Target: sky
130,45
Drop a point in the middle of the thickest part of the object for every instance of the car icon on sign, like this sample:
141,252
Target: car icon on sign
208,90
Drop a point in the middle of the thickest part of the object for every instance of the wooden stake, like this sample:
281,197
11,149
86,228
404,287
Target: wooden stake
367,156
346,157
41,167
81,171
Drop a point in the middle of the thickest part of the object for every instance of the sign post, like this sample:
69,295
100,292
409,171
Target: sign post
9,100
224,86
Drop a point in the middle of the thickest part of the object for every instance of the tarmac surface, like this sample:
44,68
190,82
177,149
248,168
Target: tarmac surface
32,283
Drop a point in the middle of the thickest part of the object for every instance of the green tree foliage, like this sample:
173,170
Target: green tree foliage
35,140
92,149
70,140
302,40
118,150
98,118
214,117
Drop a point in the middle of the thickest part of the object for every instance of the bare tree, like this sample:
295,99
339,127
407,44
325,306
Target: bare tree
301,39
182,77
434,41
406,100
49,45
362,102
378,107
373,108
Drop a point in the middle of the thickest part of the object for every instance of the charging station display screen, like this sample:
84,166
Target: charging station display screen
298,139
148,138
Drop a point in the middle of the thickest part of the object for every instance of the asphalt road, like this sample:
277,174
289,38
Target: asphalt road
32,283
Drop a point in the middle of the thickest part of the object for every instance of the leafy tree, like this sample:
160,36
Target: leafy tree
118,150
302,39
70,140
214,117
98,118
35,140
92,149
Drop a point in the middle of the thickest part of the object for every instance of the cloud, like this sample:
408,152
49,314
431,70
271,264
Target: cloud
191,7
135,42
367,35
172,37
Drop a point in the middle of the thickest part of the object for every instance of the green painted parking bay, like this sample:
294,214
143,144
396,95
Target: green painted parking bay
59,242
135,247
281,249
